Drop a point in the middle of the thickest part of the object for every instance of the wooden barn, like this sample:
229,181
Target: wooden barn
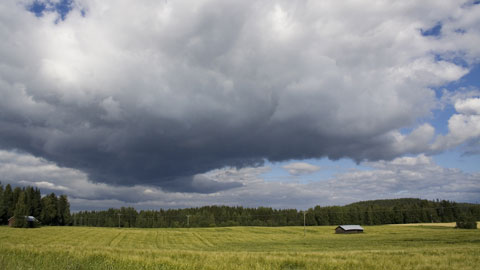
29,219
349,229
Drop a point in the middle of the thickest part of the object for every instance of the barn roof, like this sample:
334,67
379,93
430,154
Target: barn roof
30,218
27,218
351,227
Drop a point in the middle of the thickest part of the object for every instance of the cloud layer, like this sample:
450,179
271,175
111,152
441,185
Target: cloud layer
159,93
416,176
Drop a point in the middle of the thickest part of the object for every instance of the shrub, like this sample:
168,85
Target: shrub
466,222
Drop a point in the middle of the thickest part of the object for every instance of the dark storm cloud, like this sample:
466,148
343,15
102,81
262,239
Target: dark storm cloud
162,92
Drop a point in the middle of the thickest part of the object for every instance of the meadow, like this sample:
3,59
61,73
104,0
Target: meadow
380,247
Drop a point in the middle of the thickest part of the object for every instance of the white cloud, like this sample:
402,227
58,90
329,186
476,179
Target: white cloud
301,168
462,127
43,184
409,162
416,141
468,106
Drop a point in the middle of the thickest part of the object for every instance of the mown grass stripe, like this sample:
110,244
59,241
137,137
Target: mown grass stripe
381,247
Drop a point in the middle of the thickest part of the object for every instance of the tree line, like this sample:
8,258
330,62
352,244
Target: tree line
28,201
396,211
55,210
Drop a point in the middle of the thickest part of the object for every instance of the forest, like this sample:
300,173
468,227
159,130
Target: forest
395,211
28,201
55,210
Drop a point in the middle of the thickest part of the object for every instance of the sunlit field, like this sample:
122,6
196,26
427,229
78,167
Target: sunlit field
446,224
380,247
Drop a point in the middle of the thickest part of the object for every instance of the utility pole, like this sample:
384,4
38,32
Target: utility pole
119,220
188,220
304,228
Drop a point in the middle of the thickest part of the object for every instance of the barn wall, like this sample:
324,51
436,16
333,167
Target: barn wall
339,230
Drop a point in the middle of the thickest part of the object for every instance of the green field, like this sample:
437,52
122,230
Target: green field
380,247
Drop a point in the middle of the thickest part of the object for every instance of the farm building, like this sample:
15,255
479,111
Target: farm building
349,229
29,219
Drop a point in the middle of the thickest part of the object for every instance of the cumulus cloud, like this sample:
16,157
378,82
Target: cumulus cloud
468,106
462,126
164,91
300,168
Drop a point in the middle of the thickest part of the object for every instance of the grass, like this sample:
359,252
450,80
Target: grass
380,247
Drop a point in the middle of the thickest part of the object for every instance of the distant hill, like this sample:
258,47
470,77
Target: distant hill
404,202
390,202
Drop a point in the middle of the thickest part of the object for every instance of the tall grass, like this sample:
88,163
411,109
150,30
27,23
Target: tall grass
380,247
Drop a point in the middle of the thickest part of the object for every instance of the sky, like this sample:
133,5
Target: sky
286,104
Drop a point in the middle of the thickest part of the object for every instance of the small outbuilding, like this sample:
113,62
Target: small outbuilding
349,229
29,219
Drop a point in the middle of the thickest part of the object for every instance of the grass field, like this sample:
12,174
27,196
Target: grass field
380,247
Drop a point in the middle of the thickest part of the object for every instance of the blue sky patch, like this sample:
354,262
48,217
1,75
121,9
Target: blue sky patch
434,31
457,159
471,79
441,116
37,8
62,8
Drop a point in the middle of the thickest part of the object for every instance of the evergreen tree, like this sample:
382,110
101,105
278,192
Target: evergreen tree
49,214
36,203
3,208
63,215
310,218
8,201
368,216
29,200
370,213
397,216
21,211
446,211
377,215
15,195
321,215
